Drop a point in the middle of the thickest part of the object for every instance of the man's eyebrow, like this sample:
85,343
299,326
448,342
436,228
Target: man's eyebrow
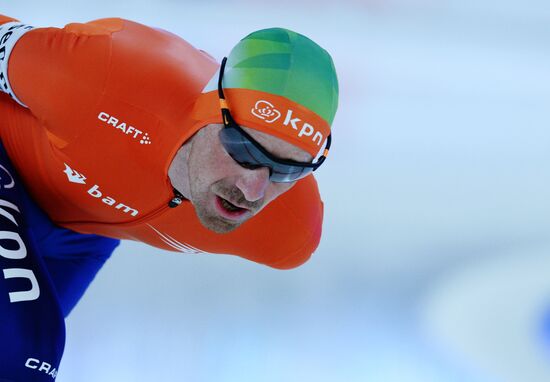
295,158
295,155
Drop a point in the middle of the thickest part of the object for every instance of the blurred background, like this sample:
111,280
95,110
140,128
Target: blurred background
435,259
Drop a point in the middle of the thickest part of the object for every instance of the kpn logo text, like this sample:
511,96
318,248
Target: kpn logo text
266,110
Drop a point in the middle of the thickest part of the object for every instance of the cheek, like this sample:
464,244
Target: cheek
213,164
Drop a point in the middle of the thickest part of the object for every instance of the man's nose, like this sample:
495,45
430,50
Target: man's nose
254,183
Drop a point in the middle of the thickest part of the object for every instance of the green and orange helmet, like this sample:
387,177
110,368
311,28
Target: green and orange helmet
279,82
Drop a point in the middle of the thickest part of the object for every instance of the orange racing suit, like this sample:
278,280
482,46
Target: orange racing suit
103,108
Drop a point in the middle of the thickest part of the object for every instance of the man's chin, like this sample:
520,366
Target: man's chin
218,224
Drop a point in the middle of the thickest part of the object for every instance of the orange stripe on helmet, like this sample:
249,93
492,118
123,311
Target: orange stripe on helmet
268,113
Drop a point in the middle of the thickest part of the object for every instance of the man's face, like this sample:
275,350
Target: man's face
224,193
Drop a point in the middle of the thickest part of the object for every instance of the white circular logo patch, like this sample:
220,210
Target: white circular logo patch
266,111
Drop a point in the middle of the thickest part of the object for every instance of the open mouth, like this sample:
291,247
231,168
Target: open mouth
228,209
228,206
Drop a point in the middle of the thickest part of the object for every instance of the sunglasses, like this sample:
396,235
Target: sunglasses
249,154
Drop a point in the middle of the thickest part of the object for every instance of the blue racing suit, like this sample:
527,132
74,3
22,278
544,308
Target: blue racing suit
44,271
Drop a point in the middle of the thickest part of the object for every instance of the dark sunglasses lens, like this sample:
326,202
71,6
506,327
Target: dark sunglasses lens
248,155
241,149
283,173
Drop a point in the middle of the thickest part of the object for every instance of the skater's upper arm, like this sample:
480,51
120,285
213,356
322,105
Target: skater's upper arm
58,73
